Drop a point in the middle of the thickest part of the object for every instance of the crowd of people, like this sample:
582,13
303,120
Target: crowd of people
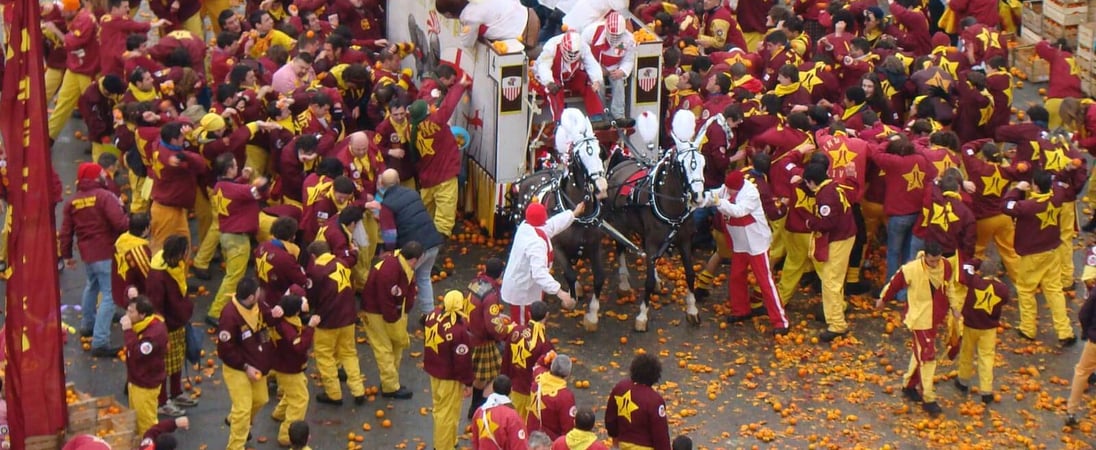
311,160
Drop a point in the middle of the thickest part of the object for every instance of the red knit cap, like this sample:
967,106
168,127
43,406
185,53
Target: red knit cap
940,40
88,171
735,179
536,215
86,442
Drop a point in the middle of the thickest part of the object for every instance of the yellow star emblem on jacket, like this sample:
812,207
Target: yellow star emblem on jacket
219,203
915,178
433,338
1073,69
425,138
519,354
1056,160
262,267
157,165
841,157
943,215
341,276
994,184
317,191
487,426
938,81
802,200
986,299
1049,216
942,165
625,405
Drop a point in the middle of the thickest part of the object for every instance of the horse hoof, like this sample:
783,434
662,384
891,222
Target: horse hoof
591,327
693,319
641,326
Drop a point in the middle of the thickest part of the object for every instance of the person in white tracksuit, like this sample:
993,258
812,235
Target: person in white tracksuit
527,277
745,225
614,47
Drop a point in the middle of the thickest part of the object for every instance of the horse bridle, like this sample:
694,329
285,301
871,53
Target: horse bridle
593,216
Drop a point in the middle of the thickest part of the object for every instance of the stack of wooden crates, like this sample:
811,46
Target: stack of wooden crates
101,416
1073,20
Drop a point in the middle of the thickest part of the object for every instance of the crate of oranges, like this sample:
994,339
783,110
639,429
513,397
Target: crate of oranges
117,424
82,410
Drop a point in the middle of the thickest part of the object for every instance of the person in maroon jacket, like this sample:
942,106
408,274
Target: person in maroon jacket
130,265
909,16
236,204
1065,77
95,217
364,18
437,156
1038,236
636,413
488,325
497,425
582,436
526,345
296,162
986,297
175,171
113,29
96,106
291,340
991,179
947,220
316,186
167,289
244,345
393,137
333,299
834,229
974,109
448,360
552,409
180,15
276,264
146,345
160,436
342,235
388,295
81,45
906,173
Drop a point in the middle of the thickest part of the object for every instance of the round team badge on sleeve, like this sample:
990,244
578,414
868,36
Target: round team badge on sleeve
462,349
146,348
495,309
824,210
224,336
521,434
573,411
396,291
661,410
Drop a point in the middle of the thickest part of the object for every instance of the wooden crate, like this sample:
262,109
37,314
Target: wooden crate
121,440
1068,3
49,442
84,413
124,420
1084,59
1032,19
1033,67
1075,14
1053,31
1086,36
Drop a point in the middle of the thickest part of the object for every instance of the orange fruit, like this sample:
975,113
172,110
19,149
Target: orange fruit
380,413
350,436
367,427
386,423
623,340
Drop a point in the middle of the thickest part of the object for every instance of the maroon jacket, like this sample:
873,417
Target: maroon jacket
1037,221
388,138
113,30
291,345
1028,138
237,207
646,424
518,363
339,241
949,221
239,344
990,180
82,44
175,186
162,9
97,111
389,291
169,299
135,263
508,429
96,218
550,411
331,293
906,178
833,219
440,161
1064,82
145,352
985,298
448,352
277,271
486,322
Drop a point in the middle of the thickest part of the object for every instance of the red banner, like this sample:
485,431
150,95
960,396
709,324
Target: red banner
35,363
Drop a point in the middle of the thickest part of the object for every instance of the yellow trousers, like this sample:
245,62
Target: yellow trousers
1068,223
137,200
100,148
143,403
926,370
212,9
874,217
294,402
1086,365
248,398
1002,231
360,272
521,404
53,82
257,159
207,247
166,221
1041,271
203,213
265,222
753,40
984,343
441,203
334,348
631,446
388,341
73,86
778,249
193,24
832,274
796,262
1053,105
1090,194
237,252
447,395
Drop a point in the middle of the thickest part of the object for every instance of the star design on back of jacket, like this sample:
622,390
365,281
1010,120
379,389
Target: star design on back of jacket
986,299
433,337
219,203
943,216
262,267
994,184
341,275
625,405
1049,216
915,179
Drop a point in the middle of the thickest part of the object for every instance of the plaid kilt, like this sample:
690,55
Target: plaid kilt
176,351
486,362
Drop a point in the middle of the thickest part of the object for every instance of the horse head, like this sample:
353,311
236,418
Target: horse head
575,138
686,152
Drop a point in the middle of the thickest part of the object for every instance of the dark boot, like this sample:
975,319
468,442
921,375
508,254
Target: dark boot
477,401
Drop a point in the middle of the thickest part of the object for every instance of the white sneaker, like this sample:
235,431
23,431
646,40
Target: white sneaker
169,409
185,400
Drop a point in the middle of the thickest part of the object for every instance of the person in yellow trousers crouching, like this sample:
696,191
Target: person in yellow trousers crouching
389,293
292,340
448,360
146,345
243,343
332,298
